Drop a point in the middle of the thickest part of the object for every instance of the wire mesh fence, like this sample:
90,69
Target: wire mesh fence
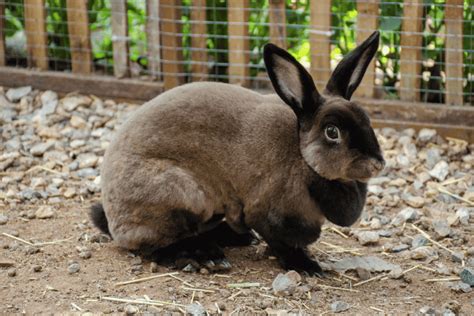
426,52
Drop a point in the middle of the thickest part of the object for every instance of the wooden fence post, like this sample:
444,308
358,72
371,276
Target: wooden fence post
36,36
172,47
120,38
367,23
153,38
2,34
454,51
410,56
277,19
239,42
79,36
320,42
199,68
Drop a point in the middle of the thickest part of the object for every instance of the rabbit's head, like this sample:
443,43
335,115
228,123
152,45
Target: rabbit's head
336,138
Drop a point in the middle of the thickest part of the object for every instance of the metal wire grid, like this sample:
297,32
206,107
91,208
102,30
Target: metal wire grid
343,34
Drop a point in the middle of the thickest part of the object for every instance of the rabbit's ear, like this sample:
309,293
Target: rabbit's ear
291,81
350,71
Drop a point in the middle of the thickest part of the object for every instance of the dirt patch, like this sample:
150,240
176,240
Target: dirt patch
419,218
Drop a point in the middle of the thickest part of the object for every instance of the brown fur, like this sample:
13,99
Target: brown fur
208,149
239,148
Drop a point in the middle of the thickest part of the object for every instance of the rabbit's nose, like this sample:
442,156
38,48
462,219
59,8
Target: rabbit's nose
377,164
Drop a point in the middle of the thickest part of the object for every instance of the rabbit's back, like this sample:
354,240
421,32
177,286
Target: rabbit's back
205,148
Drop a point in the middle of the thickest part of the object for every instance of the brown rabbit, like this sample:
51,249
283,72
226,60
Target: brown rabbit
204,155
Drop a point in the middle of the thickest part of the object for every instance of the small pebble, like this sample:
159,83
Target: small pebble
44,212
196,309
422,253
467,276
131,309
37,268
154,267
286,283
85,254
339,306
11,272
3,219
73,268
367,237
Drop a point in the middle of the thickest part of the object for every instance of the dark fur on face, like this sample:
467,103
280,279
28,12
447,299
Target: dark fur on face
356,156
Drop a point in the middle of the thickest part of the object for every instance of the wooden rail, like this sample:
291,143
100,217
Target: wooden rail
2,35
239,44
166,61
120,38
153,38
454,52
36,37
367,22
79,36
277,17
199,67
410,57
171,50
319,38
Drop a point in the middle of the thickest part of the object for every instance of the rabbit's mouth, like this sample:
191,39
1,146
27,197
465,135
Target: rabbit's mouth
363,169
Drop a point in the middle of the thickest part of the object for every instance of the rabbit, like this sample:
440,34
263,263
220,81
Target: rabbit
208,154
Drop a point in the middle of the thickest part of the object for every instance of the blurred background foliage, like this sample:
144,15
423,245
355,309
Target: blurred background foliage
344,18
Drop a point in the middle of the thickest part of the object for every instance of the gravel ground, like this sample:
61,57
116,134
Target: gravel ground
411,252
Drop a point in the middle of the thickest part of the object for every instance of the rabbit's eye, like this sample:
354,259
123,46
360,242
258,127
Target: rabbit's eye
332,133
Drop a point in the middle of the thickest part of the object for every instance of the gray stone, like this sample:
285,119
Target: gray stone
367,237
87,173
286,283
196,309
415,201
400,248
375,189
369,263
467,276
427,310
426,134
440,170
419,241
13,144
77,122
409,149
85,254
379,181
441,228
131,309
423,253
41,148
87,160
73,268
457,257
460,287
71,103
11,272
49,100
408,214
37,268
44,212
339,306
3,219
463,214
15,94
403,161
433,156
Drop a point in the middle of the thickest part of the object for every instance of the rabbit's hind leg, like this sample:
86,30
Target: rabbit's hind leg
192,254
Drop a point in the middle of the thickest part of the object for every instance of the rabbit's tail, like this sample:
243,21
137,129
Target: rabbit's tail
99,219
